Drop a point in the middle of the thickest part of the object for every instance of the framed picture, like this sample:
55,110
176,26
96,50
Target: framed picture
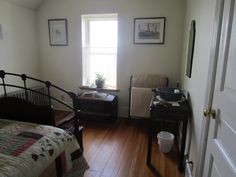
58,32
191,42
1,37
149,30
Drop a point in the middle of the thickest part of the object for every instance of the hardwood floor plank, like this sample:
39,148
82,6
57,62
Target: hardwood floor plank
144,170
105,150
137,157
96,139
122,151
128,154
113,164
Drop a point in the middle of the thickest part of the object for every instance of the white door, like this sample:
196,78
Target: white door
220,158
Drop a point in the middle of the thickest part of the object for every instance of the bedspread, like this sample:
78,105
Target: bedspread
27,149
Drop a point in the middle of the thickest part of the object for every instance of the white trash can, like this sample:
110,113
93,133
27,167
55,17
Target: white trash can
165,141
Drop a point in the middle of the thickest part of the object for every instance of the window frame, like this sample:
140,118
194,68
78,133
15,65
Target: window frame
85,21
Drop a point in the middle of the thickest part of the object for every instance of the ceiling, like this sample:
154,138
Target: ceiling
31,4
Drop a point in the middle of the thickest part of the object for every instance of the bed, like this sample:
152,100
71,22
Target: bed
30,142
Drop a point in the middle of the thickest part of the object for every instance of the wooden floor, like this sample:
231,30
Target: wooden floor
119,149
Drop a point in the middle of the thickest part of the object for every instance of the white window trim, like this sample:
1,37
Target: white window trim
85,39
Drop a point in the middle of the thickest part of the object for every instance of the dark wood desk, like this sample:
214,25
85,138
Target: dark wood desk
160,112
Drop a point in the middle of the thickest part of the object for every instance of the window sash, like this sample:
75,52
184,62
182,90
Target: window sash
102,58
100,55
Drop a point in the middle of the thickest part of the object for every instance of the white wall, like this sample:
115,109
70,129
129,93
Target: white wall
63,64
18,48
203,12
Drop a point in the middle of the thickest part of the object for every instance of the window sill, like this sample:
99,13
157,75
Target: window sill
99,89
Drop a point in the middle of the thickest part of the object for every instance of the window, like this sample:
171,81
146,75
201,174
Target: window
99,48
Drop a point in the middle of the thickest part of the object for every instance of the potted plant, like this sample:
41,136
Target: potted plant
100,80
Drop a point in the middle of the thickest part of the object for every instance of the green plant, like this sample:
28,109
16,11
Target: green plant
100,77
100,80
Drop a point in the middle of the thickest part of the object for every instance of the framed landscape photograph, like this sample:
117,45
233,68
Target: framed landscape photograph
149,30
58,32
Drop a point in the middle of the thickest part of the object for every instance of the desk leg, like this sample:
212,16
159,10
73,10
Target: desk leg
184,131
149,152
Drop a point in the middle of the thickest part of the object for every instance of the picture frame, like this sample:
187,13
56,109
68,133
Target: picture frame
149,30
1,36
190,52
58,35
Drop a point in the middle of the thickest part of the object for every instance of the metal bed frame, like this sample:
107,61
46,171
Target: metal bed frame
15,106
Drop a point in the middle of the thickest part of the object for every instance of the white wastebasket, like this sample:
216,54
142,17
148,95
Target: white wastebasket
165,141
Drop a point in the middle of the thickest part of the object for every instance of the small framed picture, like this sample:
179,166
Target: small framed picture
149,30
58,32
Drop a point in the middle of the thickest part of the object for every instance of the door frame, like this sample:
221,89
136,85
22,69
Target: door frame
211,76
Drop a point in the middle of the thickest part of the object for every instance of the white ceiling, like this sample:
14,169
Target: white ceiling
31,4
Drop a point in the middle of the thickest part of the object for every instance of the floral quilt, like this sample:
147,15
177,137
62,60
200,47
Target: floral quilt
27,149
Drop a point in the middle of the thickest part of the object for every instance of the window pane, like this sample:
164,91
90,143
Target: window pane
104,64
103,33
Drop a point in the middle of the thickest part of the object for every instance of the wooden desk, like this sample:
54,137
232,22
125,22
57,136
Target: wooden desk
161,112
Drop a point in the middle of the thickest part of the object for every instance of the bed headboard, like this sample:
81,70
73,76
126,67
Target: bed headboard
16,106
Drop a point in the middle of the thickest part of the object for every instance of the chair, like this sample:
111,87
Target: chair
140,93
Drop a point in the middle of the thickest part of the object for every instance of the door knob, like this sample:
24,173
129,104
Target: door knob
206,112
209,113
